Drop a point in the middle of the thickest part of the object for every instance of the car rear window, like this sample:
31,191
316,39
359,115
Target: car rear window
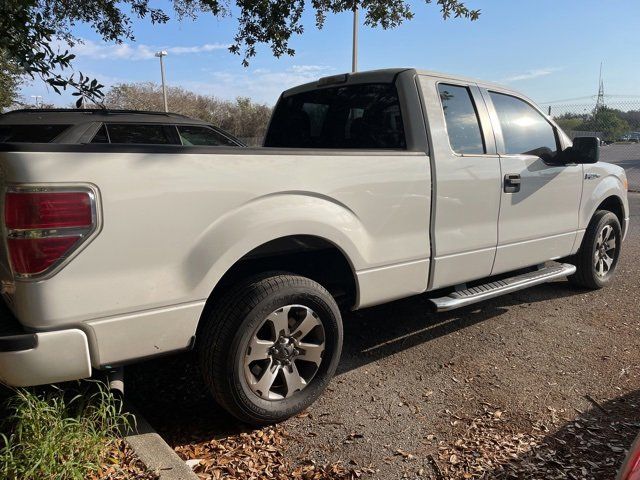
32,133
151,134
202,136
352,116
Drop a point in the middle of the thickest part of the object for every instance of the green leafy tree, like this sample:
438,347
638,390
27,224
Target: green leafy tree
10,80
607,121
31,28
570,122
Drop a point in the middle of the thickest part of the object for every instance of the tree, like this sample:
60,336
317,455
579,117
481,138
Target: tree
243,118
10,79
570,122
607,121
30,28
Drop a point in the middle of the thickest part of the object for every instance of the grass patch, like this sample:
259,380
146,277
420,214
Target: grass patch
58,434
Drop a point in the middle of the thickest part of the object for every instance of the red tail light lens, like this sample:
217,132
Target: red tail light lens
47,210
631,467
45,226
35,255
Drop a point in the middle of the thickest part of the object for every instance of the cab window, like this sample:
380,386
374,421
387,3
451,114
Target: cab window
351,116
524,129
461,117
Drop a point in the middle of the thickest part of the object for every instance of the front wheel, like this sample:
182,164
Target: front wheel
269,348
598,256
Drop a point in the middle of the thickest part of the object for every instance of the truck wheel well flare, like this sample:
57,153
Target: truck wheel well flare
305,255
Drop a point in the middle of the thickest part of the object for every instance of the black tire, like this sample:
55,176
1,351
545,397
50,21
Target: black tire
233,321
586,275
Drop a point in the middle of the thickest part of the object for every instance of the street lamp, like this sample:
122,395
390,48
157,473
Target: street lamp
36,98
354,53
161,54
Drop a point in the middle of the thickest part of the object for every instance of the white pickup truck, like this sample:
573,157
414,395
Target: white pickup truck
370,187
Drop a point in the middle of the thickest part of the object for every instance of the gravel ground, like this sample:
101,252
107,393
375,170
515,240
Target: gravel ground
549,376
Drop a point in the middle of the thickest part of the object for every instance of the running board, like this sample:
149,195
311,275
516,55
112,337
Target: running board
471,295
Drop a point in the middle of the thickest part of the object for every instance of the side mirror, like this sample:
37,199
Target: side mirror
584,150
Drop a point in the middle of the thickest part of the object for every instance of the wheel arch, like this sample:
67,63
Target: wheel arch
311,256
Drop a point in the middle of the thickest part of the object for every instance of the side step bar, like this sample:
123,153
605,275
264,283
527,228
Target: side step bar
471,295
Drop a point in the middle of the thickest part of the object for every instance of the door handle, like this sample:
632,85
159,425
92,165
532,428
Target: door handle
512,183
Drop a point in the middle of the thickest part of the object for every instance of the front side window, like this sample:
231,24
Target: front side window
199,135
32,133
524,129
461,117
351,116
138,133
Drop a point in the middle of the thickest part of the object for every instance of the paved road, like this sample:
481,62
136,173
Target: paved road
410,382
628,157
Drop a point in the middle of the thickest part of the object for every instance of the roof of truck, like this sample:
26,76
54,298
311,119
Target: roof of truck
76,116
382,76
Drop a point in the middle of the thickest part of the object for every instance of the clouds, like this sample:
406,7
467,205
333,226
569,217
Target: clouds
126,51
530,74
262,85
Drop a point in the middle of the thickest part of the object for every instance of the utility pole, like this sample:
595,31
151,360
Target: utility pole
161,54
354,56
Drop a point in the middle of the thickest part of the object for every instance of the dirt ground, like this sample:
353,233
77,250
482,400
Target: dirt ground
542,383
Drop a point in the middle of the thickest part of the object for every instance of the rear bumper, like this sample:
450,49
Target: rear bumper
46,357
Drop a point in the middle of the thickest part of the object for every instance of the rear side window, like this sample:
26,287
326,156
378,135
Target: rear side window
524,129
101,136
197,135
461,117
32,133
354,116
136,133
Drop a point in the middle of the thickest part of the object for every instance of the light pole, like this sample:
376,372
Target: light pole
161,54
354,55
36,98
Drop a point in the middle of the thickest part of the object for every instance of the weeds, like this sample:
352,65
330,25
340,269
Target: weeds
63,435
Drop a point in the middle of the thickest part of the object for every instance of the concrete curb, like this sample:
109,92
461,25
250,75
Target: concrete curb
154,452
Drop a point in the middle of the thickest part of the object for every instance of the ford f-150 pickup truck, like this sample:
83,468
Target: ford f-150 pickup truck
370,187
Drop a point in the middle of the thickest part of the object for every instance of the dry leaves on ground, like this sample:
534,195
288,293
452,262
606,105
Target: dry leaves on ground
122,464
255,456
493,446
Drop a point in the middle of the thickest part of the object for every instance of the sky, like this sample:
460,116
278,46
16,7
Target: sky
548,49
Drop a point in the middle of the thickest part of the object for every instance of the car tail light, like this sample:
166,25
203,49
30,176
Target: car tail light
44,226
631,467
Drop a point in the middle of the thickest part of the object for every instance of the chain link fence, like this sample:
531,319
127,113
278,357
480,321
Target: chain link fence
617,124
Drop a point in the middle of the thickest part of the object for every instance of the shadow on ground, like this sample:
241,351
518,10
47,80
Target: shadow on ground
169,391
593,446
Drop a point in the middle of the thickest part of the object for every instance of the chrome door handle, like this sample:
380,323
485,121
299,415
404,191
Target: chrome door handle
512,183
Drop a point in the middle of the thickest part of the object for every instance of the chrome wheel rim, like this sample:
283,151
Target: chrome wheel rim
605,251
284,352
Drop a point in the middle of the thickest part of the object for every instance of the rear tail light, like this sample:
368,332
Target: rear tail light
631,467
45,225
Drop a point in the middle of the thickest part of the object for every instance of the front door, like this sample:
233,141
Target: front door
466,180
539,200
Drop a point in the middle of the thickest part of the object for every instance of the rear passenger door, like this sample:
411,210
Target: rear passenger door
466,179
540,199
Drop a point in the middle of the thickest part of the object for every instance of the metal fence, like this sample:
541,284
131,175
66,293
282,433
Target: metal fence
617,124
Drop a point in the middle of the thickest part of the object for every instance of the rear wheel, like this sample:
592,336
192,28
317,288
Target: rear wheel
270,347
598,256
